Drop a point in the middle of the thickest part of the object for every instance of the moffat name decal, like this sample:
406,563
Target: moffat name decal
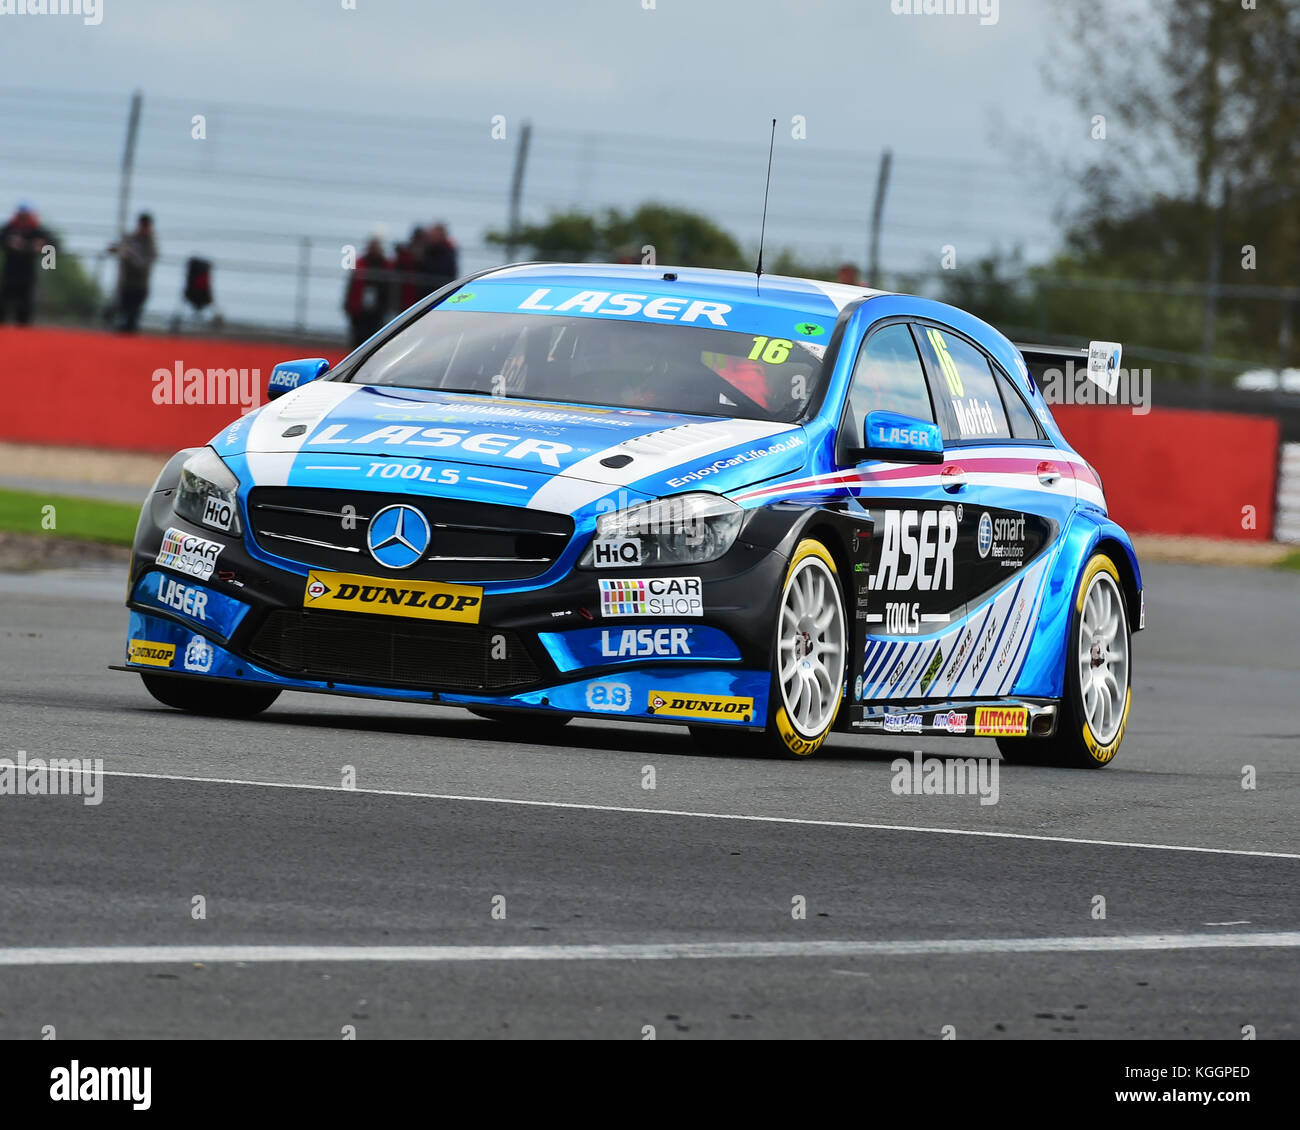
423,600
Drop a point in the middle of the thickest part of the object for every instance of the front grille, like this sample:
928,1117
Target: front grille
471,541
347,648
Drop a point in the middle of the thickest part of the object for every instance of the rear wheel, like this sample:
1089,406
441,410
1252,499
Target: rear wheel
219,700
809,652
1098,679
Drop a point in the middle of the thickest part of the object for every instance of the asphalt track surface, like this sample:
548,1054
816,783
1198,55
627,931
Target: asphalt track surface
628,908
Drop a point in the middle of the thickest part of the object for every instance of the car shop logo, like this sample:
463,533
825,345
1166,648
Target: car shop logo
188,554
652,596
398,536
199,655
985,541
916,551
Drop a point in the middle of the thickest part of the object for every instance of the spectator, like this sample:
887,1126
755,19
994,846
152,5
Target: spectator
849,274
21,239
368,294
440,258
136,254
409,262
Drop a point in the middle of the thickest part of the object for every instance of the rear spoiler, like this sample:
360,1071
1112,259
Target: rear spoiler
1100,360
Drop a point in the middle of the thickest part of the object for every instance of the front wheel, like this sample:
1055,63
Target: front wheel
809,653
220,700
1098,679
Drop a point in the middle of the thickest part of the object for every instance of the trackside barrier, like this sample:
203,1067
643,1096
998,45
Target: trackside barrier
1170,471
85,388
1181,471
1288,494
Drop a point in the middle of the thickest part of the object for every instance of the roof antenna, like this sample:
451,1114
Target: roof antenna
767,188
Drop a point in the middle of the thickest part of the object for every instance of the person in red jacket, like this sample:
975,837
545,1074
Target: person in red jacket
22,240
369,292
412,283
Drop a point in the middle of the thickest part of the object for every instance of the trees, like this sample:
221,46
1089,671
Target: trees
675,235
1202,146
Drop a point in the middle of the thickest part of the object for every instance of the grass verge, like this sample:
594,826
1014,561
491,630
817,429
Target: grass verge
87,519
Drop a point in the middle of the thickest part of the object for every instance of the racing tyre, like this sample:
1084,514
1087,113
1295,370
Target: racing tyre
542,723
1098,679
220,700
809,652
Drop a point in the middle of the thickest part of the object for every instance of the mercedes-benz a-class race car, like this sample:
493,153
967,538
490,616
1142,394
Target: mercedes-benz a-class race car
766,508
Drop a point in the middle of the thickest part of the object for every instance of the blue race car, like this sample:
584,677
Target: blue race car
765,508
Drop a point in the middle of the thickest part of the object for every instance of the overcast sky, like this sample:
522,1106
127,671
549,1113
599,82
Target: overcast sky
699,80
705,69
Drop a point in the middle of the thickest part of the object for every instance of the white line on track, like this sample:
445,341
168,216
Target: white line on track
651,951
705,815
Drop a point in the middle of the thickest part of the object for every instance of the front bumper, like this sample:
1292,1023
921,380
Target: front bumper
551,649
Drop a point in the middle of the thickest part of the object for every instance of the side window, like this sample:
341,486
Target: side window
966,383
887,377
1023,424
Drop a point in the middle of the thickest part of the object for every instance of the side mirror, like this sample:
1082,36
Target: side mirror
288,375
896,438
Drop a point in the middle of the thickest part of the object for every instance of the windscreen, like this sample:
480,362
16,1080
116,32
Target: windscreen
695,370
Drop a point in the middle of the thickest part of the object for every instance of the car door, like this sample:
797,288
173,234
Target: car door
914,580
1012,495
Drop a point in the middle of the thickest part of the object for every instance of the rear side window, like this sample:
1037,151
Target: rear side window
1023,424
887,377
974,407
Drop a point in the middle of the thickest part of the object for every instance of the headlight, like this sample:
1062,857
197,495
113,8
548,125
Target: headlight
206,495
686,529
